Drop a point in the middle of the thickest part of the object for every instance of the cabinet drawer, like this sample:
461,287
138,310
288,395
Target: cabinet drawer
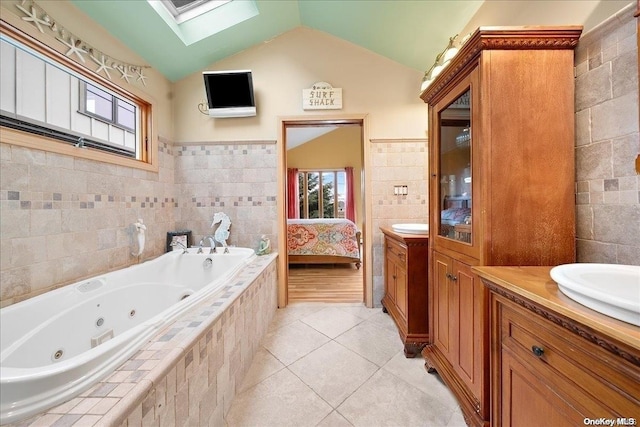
396,252
595,381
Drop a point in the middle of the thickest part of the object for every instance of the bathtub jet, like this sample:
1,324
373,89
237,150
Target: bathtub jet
56,345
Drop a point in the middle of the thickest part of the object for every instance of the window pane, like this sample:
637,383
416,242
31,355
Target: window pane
301,176
126,114
328,194
99,102
341,190
313,192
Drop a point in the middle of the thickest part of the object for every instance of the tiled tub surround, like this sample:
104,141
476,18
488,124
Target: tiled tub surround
239,179
607,142
66,218
395,162
188,373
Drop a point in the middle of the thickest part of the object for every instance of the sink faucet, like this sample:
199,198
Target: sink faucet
212,244
179,244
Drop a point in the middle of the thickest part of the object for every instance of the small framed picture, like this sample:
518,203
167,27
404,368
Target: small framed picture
183,237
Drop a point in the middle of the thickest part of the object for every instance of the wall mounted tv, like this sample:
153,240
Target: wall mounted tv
230,93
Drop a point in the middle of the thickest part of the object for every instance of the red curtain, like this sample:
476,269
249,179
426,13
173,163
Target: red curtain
351,205
293,203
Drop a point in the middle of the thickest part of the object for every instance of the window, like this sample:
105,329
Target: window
107,107
322,193
61,104
183,10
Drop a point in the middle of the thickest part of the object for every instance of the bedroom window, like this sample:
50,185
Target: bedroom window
322,193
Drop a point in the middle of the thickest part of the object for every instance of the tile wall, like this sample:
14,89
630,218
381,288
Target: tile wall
239,179
607,142
65,218
395,162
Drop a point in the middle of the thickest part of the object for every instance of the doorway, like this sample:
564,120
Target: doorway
318,151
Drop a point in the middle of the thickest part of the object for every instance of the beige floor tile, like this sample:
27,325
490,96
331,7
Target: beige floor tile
386,400
374,343
264,365
280,400
413,372
334,419
347,372
331,321
361,311
457,420
293,312
383,320
293,341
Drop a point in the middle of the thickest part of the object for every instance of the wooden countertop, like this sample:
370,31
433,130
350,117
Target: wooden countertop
535,285
403,236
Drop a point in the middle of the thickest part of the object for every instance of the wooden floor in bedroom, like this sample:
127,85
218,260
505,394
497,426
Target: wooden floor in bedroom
325,283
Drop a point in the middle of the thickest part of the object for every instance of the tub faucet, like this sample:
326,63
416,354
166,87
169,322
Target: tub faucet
212,244
180,244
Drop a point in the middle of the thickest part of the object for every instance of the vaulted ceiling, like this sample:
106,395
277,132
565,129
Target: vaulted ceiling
410,32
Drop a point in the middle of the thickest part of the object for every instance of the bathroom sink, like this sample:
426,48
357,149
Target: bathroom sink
411,228
609,289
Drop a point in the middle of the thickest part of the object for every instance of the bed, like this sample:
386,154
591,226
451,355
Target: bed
323,241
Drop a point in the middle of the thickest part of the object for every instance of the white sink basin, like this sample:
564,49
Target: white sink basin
609,289
411,228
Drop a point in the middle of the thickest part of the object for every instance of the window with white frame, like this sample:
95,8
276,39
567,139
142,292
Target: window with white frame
322,193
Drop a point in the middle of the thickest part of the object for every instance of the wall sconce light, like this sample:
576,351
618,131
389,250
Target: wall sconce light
442,60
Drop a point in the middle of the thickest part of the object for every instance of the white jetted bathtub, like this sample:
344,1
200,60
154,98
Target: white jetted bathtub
56,345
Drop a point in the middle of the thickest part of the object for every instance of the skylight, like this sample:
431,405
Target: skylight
183,10
195,20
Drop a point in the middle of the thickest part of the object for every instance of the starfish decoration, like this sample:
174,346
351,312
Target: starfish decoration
73,48
141,76
103,65
33,17
125,75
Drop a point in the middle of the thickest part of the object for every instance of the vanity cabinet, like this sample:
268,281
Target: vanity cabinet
553,360
501,186
405,287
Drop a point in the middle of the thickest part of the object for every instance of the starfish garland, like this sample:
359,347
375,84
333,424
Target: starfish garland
141,76
41,19
103,65
73,48
33,17
125,75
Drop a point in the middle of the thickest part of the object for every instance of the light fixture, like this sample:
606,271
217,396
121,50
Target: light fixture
442,60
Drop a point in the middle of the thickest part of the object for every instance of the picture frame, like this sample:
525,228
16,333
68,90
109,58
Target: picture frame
182,236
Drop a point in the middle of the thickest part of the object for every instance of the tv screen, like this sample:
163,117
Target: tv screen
230,93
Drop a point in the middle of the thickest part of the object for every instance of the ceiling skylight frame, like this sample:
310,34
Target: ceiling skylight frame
192,10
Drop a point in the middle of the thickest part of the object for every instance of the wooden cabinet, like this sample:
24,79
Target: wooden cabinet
459,317
405,287
553,360
501,185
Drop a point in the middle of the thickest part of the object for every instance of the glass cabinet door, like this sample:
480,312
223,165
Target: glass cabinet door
455,170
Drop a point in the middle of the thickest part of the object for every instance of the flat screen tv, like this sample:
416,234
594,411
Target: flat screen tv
230,93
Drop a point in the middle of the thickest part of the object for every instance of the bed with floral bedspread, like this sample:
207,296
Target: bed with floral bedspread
323,241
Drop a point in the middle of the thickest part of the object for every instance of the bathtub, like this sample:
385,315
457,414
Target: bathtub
56,345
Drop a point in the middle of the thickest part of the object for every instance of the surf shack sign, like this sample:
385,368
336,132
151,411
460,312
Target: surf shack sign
322,96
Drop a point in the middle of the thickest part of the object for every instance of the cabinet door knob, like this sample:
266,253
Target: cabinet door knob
454,278
538,351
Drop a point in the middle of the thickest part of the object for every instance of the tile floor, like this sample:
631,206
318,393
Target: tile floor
338,365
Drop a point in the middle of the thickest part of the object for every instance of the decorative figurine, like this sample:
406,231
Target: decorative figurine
264,247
